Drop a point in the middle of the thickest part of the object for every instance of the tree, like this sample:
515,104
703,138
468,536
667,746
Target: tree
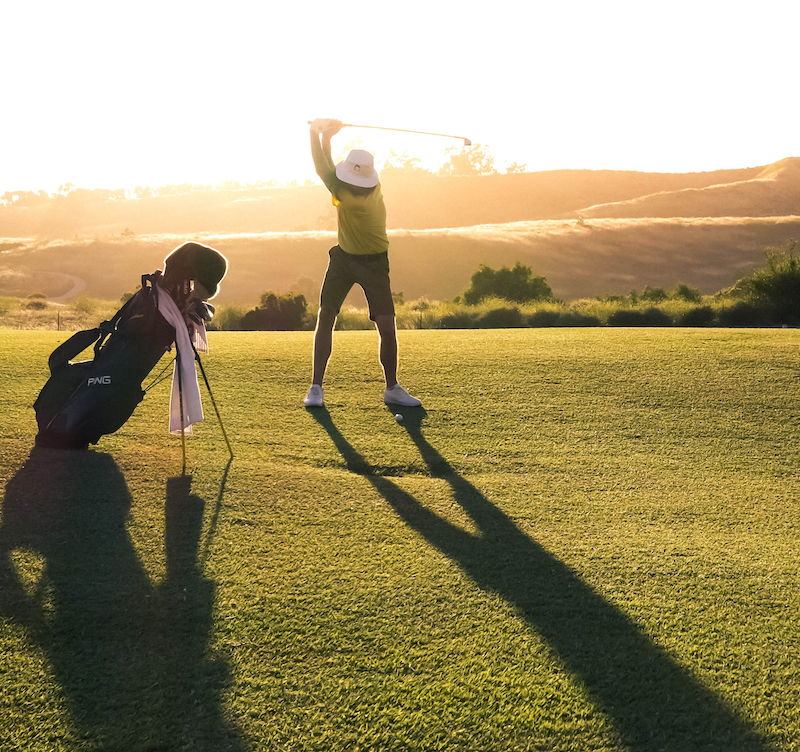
25,198
402,164
517,285
473,160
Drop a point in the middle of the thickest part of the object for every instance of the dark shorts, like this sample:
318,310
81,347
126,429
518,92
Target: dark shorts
371,271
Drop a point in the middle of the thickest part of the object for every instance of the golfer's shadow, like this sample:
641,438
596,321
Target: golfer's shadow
131,658
652,701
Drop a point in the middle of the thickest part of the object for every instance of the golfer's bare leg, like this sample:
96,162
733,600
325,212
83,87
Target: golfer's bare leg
388,348
323,344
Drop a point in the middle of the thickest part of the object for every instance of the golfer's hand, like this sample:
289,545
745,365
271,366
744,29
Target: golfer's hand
332,128
326,126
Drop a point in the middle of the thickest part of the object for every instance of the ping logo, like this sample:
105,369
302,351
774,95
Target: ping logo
99,380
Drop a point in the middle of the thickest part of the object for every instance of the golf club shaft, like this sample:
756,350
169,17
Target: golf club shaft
466,141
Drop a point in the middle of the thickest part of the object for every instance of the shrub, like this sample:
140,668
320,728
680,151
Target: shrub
421,304
277,313
420,314
459,320
35,305
776,286
654,294
626,318
702,316
86,305
656,317
650,317
689,294
8,303
744,314
517,285
227,319
353,319
572,318
501,318
619,299
544,318
561,318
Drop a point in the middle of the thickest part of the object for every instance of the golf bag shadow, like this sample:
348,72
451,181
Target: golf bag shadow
85,400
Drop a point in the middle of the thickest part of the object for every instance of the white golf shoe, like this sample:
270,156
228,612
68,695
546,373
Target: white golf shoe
396,395
314,397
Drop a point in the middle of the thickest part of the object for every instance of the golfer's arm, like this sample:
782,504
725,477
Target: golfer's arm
323,161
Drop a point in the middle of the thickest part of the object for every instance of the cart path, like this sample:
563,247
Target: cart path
78,285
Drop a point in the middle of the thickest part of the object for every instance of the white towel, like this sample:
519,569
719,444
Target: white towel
192,408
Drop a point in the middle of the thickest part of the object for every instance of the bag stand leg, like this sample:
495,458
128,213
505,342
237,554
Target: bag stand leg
180,405
213,401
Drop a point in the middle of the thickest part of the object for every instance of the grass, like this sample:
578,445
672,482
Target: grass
586,541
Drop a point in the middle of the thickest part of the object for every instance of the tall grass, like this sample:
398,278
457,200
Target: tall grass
38,313
491,313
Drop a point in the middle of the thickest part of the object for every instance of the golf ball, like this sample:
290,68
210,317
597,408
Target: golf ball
398,417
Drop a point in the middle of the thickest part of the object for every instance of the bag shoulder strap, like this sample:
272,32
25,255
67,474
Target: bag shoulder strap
148,290
77,343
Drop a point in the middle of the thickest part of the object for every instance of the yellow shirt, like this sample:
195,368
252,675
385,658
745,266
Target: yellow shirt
362,219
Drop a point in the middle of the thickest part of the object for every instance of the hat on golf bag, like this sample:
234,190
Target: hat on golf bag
358,169
201,263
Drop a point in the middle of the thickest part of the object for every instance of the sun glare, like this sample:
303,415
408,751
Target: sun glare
104,96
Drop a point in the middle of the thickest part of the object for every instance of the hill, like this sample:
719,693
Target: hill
415,201
774,191
588,232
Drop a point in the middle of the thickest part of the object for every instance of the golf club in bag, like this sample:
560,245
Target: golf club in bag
83,401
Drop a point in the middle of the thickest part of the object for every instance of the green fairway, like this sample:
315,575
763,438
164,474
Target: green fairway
587,540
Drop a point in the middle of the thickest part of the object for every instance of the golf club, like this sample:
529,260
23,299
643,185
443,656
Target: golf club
466,141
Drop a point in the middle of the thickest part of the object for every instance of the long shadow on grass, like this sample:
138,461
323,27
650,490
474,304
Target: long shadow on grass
653,703
131,658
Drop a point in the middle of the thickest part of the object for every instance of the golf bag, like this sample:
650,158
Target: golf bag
85,400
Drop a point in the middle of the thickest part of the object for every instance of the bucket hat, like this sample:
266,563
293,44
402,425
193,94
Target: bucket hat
358,169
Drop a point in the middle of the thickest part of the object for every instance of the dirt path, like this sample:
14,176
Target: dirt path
78,285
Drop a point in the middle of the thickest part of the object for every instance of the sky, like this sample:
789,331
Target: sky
117,94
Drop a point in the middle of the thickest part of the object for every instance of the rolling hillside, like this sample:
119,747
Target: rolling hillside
774,191
589,233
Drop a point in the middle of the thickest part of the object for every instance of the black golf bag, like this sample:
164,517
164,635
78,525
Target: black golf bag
85,400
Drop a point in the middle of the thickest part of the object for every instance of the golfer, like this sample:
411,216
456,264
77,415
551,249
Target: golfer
360,257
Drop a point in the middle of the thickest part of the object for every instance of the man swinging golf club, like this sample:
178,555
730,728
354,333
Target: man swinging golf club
360,257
